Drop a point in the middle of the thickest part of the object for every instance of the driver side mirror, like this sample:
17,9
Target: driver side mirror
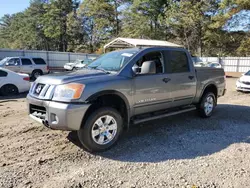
136,70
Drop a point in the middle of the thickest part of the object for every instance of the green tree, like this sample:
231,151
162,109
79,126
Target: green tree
142,19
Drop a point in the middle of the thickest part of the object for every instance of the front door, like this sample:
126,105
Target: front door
183,78
13,64
151,91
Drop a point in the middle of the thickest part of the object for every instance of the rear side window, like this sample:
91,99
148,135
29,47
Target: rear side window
178,61
39,61
26,61
3,73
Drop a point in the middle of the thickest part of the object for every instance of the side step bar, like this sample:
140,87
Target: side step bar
163,115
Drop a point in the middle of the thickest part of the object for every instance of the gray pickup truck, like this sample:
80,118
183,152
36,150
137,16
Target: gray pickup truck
122,88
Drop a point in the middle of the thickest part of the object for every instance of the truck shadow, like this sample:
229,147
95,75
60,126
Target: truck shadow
184,136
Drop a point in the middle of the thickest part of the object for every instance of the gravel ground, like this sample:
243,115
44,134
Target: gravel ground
180,151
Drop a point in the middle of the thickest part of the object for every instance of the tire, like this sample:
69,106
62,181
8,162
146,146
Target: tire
90,133
207,105
9,90
36,73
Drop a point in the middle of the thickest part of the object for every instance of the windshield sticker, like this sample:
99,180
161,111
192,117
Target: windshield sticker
127,54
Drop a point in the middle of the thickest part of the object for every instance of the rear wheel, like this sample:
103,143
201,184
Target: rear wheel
36,74
9,90
101,130
207,105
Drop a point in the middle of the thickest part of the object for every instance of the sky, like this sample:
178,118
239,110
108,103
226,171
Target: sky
12,6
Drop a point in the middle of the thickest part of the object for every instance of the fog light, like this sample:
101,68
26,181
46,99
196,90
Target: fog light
54,119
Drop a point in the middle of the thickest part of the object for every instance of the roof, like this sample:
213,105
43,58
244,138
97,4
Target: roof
129,42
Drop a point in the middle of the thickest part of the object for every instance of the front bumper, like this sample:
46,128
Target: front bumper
242,87
67,67
57,115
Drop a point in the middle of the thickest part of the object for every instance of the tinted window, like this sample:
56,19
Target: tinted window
3,73
178,61
248,73
26,62
39,61
13,62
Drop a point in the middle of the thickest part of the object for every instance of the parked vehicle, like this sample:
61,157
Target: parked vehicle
12,83
214,65
243,83
78,64
34,66
208,64
121,88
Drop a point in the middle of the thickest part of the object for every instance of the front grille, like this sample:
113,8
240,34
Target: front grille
38,111
42,91
247,83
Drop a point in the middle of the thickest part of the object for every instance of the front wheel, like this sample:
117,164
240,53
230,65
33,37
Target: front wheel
101,130
207,105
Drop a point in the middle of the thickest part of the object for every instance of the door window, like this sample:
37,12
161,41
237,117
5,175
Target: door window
13,62
156,58
3,73
178,61
26,61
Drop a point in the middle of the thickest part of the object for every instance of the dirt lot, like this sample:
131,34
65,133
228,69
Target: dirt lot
180,151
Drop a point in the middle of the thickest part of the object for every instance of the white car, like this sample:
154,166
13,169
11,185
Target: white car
12,83
214,65
78,64
243,83
34,66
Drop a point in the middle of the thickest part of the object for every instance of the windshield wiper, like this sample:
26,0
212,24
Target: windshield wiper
101,69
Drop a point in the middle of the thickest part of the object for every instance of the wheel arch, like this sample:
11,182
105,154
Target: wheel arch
109,98
210,87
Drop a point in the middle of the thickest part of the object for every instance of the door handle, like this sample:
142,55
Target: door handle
166,80
191,77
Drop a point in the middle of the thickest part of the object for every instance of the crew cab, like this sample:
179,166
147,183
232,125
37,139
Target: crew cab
122,88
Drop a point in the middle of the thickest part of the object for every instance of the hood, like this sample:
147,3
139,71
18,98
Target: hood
65,77
245,78
70,64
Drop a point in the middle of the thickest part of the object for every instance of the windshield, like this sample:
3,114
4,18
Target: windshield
4,60
247,73
113,61
77,61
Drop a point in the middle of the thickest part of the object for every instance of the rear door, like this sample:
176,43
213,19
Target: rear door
27,65
13,64
151,91
182,76
3,77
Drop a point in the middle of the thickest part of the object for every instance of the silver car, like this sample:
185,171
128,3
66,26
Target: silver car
34,66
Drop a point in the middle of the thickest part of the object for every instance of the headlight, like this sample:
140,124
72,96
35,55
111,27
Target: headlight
68,91
239,81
